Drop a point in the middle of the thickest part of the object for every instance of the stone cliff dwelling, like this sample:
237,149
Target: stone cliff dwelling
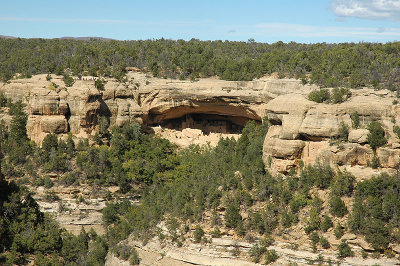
223,119
88,78
207,123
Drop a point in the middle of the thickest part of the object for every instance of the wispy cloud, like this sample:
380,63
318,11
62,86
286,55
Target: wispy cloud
56,20
106,21
299,30
367,9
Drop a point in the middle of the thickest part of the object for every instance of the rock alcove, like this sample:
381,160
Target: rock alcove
209,118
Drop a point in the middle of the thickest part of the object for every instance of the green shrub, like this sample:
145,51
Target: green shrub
314,222
375,162
326,223
319,96
337,206
267,241
288,219
343,133
343,183
48,183
389,253
377,233
215,219
216,232
299,201
256,252
339,231
232,216
44,260
122,251
135,259
344,250
240,229
110,213
99,84
271,256
319,176
51,196
324,242
376,135
364,254
97,252
376,255
355,119
235,251
68,80
198,234
396,130
314,237
172,226
340,95
69,179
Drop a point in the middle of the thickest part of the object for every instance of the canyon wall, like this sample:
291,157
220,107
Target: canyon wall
54,108
305,132
302,132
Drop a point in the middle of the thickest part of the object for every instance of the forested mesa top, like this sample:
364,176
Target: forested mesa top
328,65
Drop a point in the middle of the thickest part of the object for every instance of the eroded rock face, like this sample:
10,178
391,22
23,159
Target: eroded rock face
308,132
301,130
283,149
322,121
46,102
210,105
358,136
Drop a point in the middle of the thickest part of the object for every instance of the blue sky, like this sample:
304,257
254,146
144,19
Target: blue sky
305,21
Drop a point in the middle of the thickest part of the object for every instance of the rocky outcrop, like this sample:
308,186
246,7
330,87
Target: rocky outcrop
283,149
219,252
69,212
358,136
301,131
308,132
54,108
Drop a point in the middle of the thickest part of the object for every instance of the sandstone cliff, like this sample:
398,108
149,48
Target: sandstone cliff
304,132
54,108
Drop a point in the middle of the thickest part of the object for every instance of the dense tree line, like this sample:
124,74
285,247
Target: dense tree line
329,65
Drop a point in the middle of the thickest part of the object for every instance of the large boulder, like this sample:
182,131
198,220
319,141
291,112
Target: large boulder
46,102
388,158
290,126
352,154
54,124
369,106
293,104
39,126
359,136
323,121
283,149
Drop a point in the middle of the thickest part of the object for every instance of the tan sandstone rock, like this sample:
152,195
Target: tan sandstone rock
285,149
54,124
46,102
323,121
358,136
